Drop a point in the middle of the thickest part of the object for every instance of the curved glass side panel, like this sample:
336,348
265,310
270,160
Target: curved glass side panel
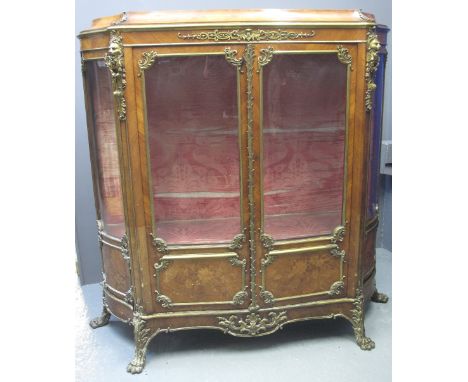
106,156
304,126
193,142
375,142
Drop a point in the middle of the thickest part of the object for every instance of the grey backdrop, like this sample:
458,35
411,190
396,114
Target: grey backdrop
89,263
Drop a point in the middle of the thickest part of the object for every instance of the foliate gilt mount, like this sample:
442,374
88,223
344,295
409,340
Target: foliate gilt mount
343,55
114,60
338,235
365,343
142,337
249,56
372,62
246,35
146,61
124,247
268,243
231,57
266,55
253,325
237,242
159,244
164,300
336,289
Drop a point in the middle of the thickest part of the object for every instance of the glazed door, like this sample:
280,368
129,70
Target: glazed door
375,121
192,137
373,172
305,115
104,149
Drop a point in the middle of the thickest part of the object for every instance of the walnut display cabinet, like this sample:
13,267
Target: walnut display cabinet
235,159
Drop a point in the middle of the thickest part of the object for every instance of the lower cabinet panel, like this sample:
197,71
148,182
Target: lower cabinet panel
368,255
301,275
115,268
369,287
186,282
118,308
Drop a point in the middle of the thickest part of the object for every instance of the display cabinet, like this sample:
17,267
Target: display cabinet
235,163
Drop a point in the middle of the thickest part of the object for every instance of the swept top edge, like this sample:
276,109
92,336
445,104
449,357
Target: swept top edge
231,17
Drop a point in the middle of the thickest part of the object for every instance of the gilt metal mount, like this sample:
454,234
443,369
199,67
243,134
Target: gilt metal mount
253,325
246,35
114,60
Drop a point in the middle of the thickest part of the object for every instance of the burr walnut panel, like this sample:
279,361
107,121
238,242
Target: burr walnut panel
302,275
368,254
118,307
200,281
115,269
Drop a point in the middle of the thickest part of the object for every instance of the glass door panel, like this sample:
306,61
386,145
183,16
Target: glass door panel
304,124
192,128
376,141
104,145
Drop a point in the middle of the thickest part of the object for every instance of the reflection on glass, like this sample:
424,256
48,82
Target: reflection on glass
105,143
304,120
376,141
192,119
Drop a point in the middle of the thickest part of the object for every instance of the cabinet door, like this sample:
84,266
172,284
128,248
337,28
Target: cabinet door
103,143
103,147
194,190
373,171
305,117
375,127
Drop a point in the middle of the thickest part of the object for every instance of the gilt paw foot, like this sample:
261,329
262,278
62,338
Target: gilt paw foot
101,320
379,297
365,343
136,366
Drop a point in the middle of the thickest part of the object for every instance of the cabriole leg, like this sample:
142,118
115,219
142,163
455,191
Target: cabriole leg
142,339
379,297
101,320
365,343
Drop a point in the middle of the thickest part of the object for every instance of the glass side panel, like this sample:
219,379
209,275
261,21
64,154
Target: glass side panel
99,85
376,141
304,123
192,127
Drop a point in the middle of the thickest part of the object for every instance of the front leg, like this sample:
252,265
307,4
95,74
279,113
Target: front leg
379,297
365,343
101,320
142,339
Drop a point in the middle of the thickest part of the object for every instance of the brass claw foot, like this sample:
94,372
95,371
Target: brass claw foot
138,362
379,297
365,343
101,320
143,336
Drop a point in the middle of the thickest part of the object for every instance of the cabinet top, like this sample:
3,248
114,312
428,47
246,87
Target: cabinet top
137,20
